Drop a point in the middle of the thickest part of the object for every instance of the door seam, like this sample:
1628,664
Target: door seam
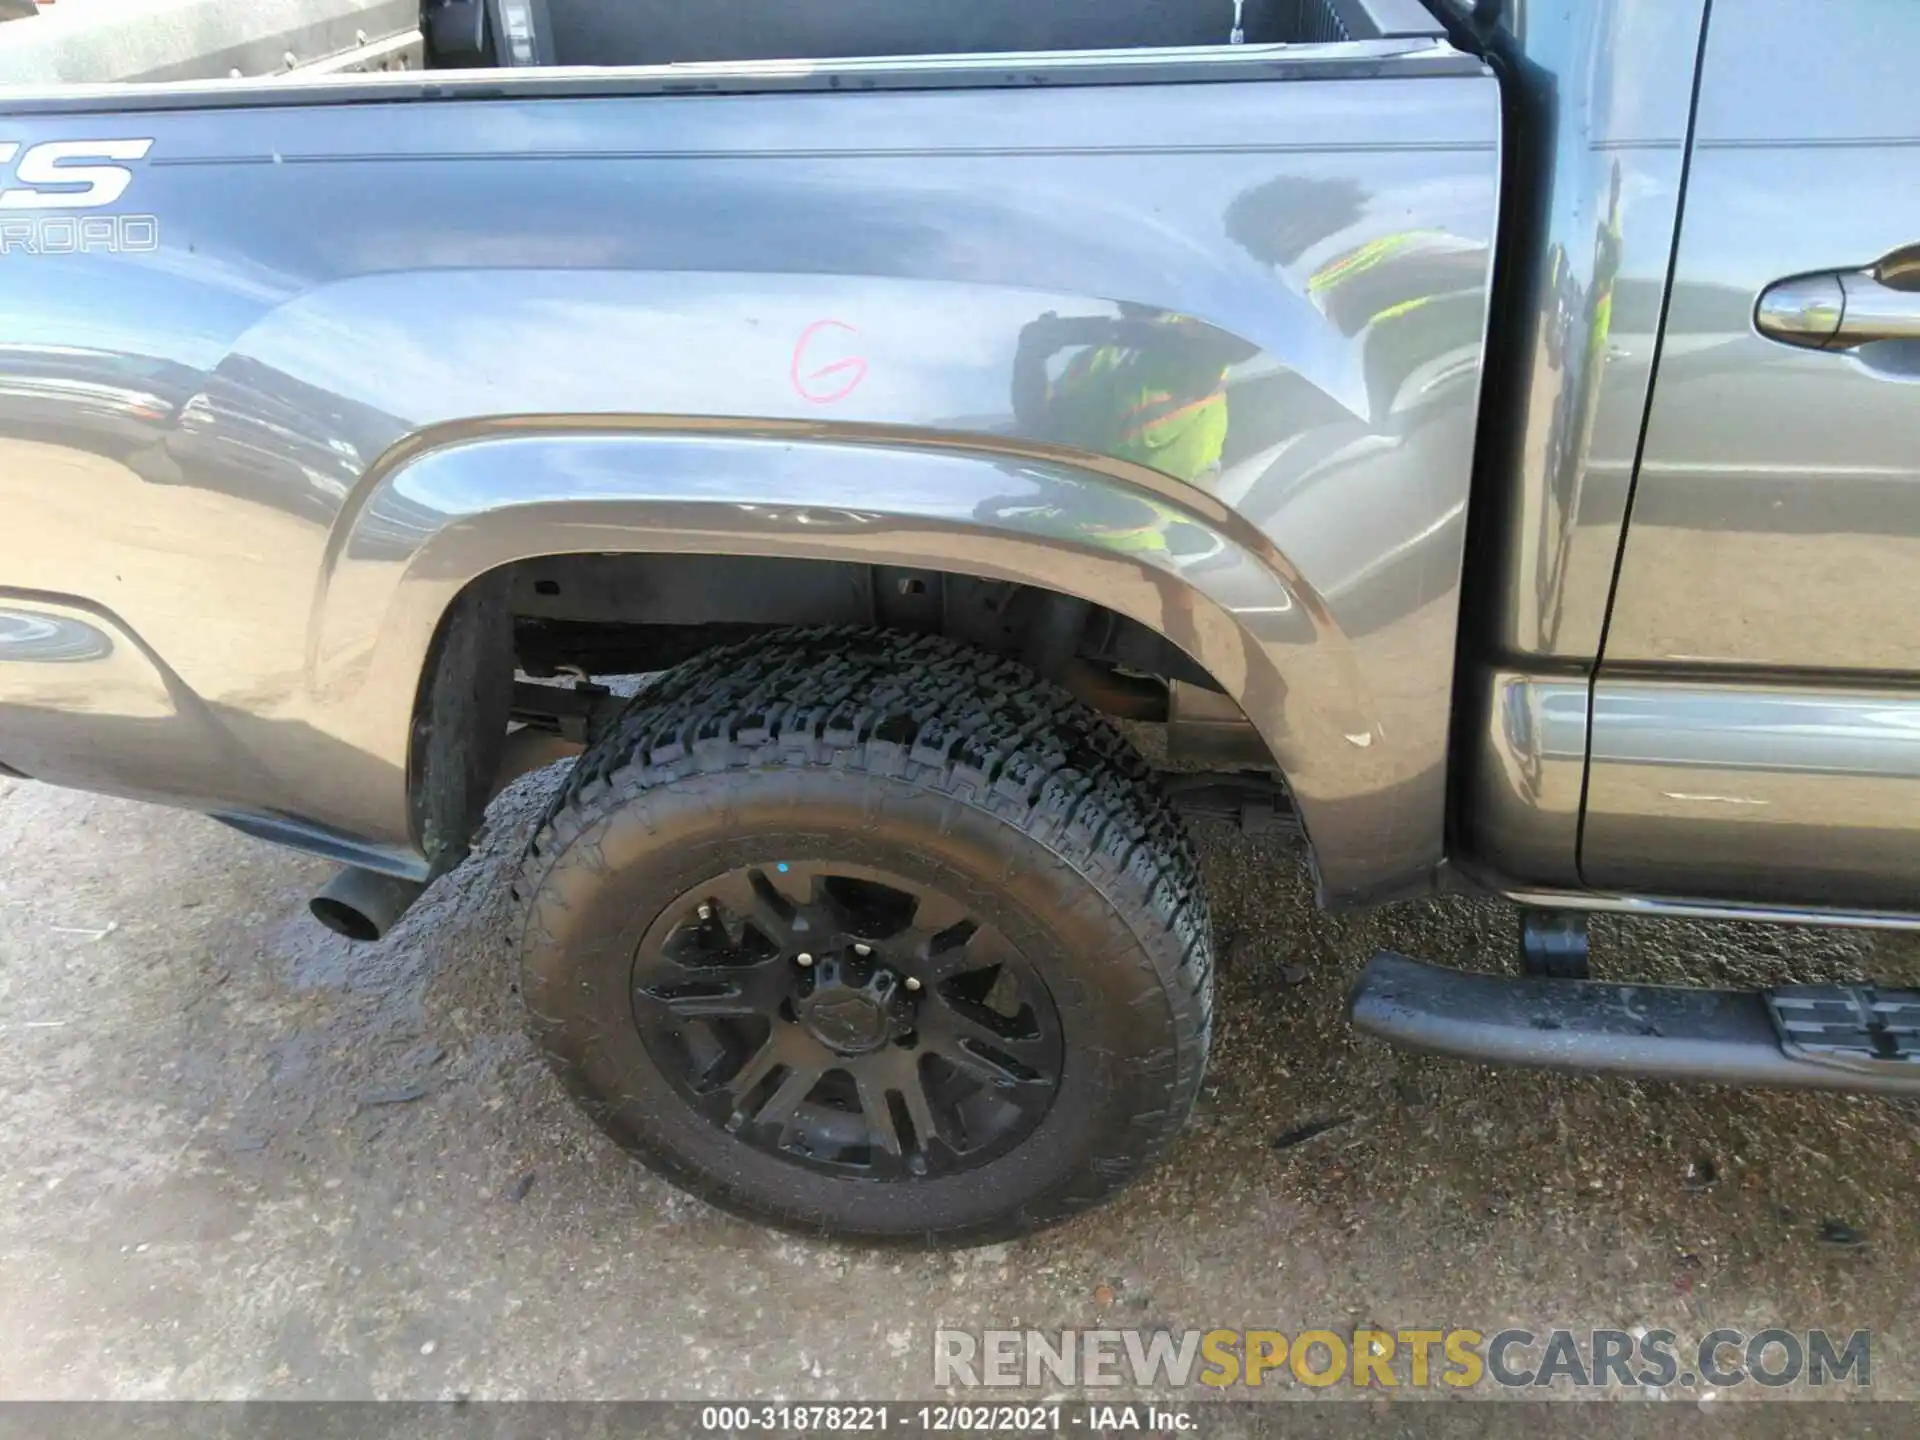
1640,444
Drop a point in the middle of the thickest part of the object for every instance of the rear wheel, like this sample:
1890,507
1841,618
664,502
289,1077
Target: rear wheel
872,935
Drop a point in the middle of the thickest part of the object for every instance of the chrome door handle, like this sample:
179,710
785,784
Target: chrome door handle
1837,311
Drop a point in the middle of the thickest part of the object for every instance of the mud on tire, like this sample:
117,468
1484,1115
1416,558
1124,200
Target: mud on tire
873,935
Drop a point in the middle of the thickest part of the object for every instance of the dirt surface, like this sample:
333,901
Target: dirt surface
245,1158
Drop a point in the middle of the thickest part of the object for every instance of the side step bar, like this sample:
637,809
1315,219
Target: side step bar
1819,1037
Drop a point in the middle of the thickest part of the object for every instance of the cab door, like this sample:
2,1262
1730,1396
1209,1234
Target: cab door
1756,715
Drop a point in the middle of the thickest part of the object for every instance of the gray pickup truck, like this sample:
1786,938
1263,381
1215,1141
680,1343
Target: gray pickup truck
1484,438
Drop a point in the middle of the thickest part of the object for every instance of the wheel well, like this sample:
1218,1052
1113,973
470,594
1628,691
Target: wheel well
631,614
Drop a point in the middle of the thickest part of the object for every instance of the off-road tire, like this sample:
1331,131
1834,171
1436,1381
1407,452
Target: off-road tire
927,754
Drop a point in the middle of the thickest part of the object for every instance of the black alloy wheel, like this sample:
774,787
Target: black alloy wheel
847,1018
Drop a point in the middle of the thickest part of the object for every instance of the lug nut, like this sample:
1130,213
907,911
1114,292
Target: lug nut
859,949
912,984
803,959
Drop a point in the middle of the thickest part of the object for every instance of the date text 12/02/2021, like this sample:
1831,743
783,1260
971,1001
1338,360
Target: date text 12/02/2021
1048,1419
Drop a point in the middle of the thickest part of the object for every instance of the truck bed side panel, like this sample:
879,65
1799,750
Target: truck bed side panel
214,441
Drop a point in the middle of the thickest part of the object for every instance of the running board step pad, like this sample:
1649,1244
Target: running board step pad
1848,1025
1820,1037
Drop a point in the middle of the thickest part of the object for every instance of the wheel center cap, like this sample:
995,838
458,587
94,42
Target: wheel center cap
848,1022
851,1018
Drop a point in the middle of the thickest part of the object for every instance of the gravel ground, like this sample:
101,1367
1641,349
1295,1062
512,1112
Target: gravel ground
248,1159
